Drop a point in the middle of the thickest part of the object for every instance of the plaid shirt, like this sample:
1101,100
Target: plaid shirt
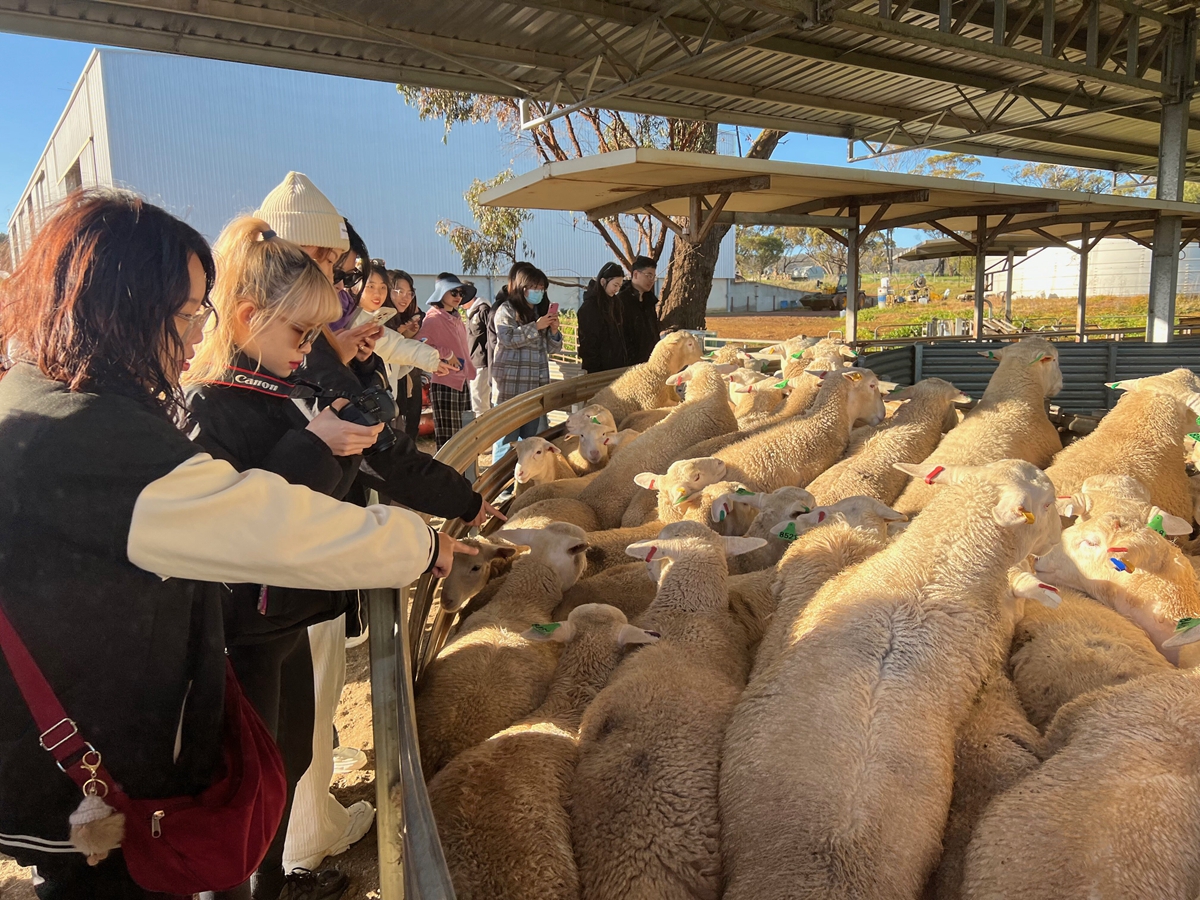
522,359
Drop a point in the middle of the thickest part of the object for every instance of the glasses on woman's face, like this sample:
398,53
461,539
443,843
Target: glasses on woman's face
307,337
193,324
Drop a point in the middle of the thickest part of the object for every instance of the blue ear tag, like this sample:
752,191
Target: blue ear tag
788,533
548,628
1120,565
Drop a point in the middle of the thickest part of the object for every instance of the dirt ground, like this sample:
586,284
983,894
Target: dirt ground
354,727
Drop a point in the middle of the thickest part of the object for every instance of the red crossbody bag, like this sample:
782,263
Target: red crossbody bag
183,845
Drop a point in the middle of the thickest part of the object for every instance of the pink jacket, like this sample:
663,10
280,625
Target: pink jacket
446,331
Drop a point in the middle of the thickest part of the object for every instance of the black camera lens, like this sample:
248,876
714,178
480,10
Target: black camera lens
369,408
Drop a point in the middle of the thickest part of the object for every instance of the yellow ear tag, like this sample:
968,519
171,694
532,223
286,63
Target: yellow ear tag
1029,517
854,376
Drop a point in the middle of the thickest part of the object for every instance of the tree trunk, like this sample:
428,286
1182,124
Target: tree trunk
690,273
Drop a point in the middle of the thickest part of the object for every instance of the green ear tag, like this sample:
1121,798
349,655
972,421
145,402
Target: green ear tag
596,420
1113,385
548,628
991,355
1156,524
1195,436
788,533
781,385
744,493
1186,624
797,355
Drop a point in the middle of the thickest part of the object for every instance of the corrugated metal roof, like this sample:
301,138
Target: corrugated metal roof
834,67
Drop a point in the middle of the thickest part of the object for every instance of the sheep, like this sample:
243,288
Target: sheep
1142,436
780,504
996,747
907,636
681,486
563,489
1118,560
606,549
756,402
728,352
705,413
627,586
909,436
488,677
539,462
590,449
1114,812
1059,654
645,386
560,509
1009,422
595,413
500,806
644,799
471,574
796,451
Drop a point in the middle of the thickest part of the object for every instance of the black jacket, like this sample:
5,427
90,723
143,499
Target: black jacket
251,428
135,659
639,322
404,473
601,339
478,317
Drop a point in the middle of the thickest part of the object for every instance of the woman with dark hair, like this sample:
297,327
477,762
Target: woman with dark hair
117,535
407,323
602,344
525,339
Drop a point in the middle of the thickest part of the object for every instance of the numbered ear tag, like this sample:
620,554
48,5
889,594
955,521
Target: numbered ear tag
1156,524
547,628
788,533
1195,436
1186,624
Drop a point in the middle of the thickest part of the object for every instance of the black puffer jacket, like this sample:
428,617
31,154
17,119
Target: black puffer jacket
602,343
639,322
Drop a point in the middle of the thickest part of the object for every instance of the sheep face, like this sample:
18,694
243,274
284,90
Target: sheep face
593,445
535,460
471,573
1036,354
865,401
685,478
682,350
592,413
688,540
593,629
558,544
1025,497
783,503
857,512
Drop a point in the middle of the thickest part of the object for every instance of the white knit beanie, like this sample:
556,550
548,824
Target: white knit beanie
300,213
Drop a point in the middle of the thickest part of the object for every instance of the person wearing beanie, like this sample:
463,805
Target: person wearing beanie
639,310
298,212
601,340
443,328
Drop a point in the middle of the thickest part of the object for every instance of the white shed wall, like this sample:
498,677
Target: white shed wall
1117,268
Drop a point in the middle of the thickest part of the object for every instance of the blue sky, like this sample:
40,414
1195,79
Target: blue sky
42,72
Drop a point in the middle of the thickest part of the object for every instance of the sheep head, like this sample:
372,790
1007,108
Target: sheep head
678,350
684,478
471,573
593,623
702,379
535,460
689,541
593,413
593,445
1179,384
858,512
560,545
864,400
1024,497
1035,355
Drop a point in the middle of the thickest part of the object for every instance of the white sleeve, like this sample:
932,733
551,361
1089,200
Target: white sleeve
207,521
400,351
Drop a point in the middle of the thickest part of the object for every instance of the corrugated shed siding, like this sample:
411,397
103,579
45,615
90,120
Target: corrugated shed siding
1116,267
209,139
1086,368
102,161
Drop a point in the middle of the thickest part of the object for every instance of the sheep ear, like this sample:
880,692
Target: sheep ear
1127,384
559,632
1187,631
963,398
886,387
785,530
630,635
932,473
992,354
818,373
1029,587
1010,511
505,552
1070,507
851,374
1192,401
847,352
647,480
647,550
518,537
888,514
1165,523
901,393
736,546
725,368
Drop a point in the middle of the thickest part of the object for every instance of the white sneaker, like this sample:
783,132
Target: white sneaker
359,640
362,816
347,760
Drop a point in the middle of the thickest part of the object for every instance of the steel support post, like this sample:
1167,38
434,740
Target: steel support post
852,234
980,275
1081,302
1180,71
382,608
1008,288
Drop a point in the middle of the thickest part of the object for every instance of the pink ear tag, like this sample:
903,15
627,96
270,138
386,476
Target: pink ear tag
650,555
937,470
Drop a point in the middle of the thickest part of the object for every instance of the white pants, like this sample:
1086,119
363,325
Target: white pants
481,392
318,821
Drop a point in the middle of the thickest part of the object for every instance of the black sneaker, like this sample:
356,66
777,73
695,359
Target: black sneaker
303,884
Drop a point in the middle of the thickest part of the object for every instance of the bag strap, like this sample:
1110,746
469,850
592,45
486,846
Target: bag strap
59,734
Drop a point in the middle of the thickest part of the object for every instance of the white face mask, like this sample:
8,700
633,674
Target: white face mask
535,296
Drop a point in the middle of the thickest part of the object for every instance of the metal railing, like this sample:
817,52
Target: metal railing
407,632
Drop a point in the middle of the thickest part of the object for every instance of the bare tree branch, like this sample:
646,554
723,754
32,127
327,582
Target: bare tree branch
626,255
